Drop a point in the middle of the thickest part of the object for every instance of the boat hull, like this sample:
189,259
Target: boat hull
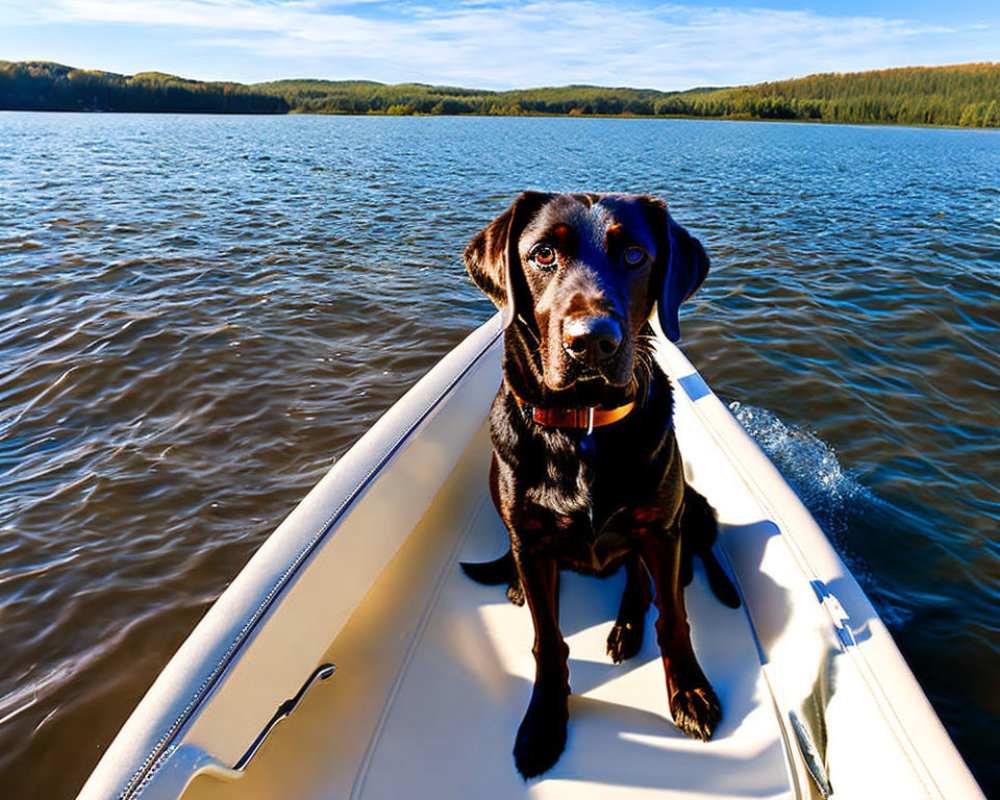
434,671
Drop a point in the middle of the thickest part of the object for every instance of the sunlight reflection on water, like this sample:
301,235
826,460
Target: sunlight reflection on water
199,314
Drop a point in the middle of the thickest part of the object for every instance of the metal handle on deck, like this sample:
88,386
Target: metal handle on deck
321,673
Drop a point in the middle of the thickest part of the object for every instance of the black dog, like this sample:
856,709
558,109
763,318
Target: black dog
586,473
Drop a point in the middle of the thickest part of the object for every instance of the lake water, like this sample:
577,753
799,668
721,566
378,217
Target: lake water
198,314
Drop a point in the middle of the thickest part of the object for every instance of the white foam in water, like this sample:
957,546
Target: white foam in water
808,463
830,492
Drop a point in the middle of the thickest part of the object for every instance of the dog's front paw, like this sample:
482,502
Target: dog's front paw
696,711
542,735
624,641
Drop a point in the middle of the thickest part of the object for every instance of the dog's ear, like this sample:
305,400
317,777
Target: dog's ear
493,260
683,267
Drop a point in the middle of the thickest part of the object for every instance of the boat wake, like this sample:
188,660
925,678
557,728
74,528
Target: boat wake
833,495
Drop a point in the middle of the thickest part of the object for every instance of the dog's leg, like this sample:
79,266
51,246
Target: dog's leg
625,638
542,735
693,705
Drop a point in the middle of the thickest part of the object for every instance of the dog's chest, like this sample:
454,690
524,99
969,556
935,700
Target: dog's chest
593,502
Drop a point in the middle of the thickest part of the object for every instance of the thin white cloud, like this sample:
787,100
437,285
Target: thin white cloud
518,44
234,15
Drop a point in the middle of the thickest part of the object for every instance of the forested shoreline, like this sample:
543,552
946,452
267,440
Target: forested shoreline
966,95
43,86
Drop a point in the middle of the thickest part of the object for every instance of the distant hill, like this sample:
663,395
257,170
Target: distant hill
360,97
960,95
44,86
966,95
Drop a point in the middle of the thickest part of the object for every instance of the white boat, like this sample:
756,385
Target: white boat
393,675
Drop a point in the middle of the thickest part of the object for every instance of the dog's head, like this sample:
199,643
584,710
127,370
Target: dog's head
582,273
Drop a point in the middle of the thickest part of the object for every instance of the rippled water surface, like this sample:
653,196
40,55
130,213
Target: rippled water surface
199,314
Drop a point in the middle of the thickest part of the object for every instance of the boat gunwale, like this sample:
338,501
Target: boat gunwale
808,544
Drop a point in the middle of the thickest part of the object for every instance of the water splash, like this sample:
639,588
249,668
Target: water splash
834,495
808,463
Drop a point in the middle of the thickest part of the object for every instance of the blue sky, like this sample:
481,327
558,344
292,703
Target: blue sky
501,44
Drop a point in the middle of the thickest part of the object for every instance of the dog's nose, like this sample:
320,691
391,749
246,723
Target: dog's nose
591,340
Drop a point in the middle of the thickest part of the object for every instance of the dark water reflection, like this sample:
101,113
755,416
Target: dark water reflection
198,314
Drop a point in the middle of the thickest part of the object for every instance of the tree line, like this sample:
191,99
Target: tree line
363,97
44,86
966,95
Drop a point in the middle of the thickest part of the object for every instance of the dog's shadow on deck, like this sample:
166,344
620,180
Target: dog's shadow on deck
620,732
612,744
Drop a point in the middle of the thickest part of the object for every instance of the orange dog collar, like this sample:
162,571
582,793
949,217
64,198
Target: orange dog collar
588,418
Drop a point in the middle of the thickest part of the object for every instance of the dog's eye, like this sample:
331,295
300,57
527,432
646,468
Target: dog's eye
543,255
635,257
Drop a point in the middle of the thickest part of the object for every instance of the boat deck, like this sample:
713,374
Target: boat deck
435,671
